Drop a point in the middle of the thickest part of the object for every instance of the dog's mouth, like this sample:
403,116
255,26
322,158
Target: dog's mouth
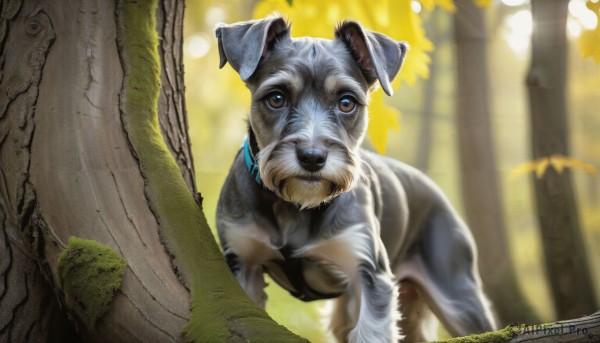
307,190
310,178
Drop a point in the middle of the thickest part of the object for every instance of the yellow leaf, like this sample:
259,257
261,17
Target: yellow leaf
522,169
558,162
540,166
448,5
428,4
593,6
409,27
483,3
589,40
382,118
589,44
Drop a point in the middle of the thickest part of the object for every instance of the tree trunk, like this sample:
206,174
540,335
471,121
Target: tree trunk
81,154
423,154
481,194
566,260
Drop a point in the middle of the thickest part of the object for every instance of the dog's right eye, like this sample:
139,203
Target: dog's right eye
347,104
276,100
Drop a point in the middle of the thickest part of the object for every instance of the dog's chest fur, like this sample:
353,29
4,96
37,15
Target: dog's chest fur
308,272
312,252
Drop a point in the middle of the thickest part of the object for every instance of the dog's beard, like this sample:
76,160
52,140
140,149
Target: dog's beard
282,174
306,194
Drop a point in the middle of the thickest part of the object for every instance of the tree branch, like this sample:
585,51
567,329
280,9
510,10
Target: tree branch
585,329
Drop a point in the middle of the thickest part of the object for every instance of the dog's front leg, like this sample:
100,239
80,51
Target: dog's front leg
369,305
368,311
376,296
250,277
252,281
247,247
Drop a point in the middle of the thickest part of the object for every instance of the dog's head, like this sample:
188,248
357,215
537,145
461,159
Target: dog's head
309,101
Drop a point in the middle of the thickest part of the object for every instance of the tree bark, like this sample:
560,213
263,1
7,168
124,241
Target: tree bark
564,250
82,154
171,102
482,196
29,310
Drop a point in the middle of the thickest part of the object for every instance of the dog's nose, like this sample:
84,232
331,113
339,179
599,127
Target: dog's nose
311,159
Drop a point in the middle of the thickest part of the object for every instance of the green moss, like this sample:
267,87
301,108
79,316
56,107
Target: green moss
90,273
220,309
499,336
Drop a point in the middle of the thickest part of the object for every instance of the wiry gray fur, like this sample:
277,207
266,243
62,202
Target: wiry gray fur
347,223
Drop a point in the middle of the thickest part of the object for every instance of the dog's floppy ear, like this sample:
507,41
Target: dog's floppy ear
378,56
243,44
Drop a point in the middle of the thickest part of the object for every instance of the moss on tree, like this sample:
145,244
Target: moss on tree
90,273
500,336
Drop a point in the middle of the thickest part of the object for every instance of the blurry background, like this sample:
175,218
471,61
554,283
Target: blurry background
420,126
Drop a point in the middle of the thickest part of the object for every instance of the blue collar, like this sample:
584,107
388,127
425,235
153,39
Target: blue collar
251,163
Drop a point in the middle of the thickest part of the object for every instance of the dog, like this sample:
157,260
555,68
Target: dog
324,218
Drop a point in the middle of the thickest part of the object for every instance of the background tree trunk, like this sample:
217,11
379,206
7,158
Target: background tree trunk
566,260
81,154
423,153
481,194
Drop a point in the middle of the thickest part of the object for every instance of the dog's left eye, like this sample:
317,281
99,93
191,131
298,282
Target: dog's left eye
347,104
276,100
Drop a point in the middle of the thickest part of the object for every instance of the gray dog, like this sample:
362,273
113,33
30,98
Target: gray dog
326,219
